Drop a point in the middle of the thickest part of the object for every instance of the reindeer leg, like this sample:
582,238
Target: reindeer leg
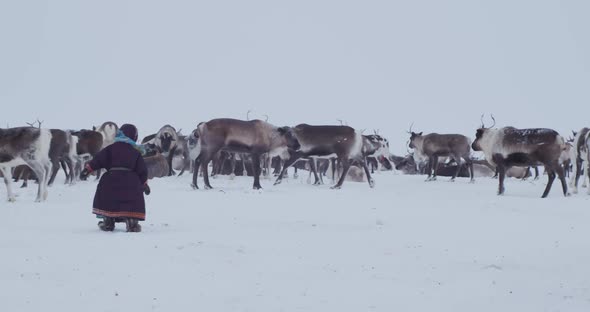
433,167
233,166
196,172
184,165
369,178
458,161
575,177
333,163
551,177
64,167
47,166
25,176
501,170
244,171
536,172
471,174
345,167
561,175
39,170
170,157
321,171
54,170
205,169
292,159
7,173
586,169
313,169
256,171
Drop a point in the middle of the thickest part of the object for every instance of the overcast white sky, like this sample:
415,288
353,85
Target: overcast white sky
375,64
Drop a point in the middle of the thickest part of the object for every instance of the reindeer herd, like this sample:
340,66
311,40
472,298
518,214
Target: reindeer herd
256,147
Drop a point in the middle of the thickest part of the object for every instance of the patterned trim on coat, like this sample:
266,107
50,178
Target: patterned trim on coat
123,214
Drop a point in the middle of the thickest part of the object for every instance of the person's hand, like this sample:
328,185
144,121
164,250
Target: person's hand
146,189
85,173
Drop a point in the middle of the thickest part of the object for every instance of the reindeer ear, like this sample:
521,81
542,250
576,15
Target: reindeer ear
420,133
93,128
283,130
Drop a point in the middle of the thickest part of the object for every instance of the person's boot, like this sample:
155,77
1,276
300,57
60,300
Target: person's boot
133,225
107,224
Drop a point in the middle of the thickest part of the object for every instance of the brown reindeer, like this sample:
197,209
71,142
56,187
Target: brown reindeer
434,145
253,137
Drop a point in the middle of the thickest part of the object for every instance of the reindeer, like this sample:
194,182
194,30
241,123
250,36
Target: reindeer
254,137
155,162
89,143
325,141
507,147
61,152
381,156
580,155
435,145
167,140
25,145
108,130
372,145
181,154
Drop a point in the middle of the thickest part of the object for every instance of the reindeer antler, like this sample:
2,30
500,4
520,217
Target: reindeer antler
266,118
570,140
483,125
494,120
248,115
32,124
411,126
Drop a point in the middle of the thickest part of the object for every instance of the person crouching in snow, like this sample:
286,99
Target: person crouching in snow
119,195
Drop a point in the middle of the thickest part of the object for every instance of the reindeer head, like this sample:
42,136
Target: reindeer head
193,138
415,138
288,138
166,140
482,134
151,149
378,143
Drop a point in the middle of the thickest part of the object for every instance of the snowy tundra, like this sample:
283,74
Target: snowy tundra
405,245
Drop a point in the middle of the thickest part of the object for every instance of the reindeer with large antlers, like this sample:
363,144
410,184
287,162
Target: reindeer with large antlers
507,147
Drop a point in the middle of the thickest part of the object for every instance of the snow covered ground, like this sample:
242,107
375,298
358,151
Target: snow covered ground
406,245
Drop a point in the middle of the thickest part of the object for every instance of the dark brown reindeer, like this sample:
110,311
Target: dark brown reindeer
434,145
507,147
580,155
89,143
61,152
343,142
253,137
372,145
